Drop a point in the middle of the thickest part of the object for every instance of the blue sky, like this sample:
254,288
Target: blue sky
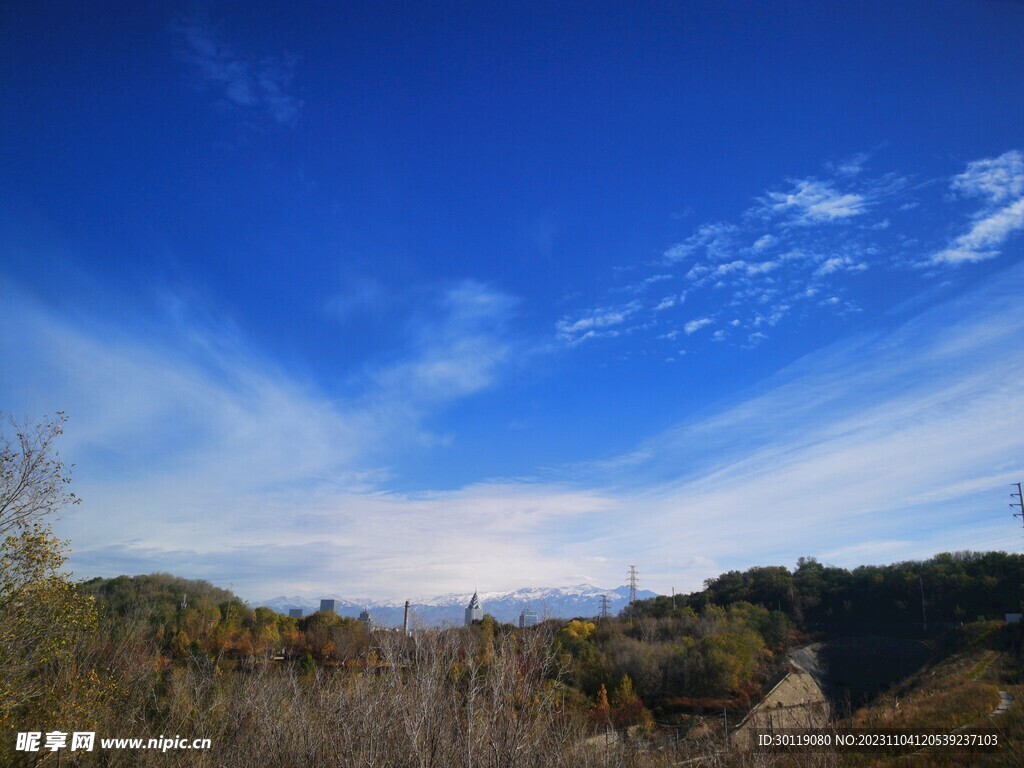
396,300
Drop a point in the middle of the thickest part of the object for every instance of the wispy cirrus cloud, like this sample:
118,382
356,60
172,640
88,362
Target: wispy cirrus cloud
459,346
999,183
602,321
749,273
256,86
198,456
811,201
850,166
193,451
806,250
717,241
846,452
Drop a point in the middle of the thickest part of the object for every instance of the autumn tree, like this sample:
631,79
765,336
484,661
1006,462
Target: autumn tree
600,713
627,709
46,623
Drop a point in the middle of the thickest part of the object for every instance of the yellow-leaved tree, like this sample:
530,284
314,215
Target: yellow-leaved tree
47,627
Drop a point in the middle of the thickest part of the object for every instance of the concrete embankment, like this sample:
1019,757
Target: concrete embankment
798,702
840,674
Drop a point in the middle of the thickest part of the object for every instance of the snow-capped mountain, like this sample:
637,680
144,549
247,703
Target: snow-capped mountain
582,600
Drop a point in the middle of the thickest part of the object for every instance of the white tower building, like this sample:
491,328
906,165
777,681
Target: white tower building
474,611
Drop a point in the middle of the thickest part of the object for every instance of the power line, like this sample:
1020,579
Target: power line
1019,504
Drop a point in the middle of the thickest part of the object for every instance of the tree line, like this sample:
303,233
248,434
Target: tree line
946,589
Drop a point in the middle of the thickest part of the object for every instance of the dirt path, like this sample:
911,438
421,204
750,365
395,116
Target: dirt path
1005,702
1005,699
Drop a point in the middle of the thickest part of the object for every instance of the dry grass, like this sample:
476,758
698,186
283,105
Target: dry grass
956,694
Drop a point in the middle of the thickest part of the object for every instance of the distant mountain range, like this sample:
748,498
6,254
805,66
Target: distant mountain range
583,600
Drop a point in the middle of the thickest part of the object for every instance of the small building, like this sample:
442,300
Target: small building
475,610
294,613
329,605
528,618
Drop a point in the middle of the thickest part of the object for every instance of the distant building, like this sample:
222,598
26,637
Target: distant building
295,613
528,618
364,616
329,605
474,611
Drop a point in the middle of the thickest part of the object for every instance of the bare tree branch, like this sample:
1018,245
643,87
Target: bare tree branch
33,479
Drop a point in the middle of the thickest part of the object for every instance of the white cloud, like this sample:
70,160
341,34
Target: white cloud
226,468
839,264
459,348
770,254
647,282
595,323
762,267
714,241
725,269
814,202
770,258
1000,182
848,448
986,235
193,453
697,272
695,325
777,313
999,178
378,544
851,166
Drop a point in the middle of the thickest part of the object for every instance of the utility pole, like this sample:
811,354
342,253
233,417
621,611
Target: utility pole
632,583
1019,503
